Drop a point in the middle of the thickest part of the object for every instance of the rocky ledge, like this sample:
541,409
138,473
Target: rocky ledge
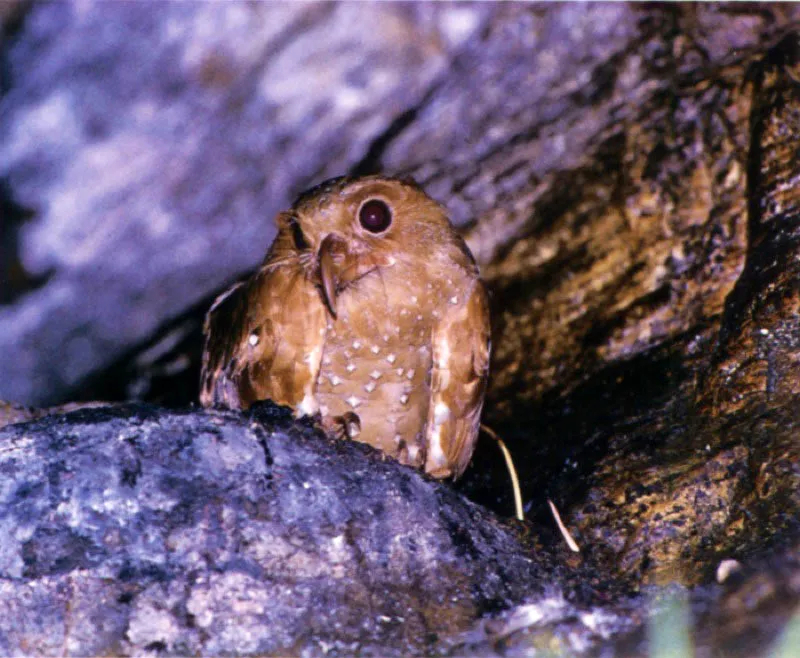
133,530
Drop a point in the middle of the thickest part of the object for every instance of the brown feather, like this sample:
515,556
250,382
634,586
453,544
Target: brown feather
461,345
386,334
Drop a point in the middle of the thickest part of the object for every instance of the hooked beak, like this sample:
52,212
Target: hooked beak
328,271
340,265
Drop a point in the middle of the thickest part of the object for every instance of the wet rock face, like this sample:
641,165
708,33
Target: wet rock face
716,454
209,533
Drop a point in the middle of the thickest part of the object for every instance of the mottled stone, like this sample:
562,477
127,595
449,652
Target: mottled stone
129,529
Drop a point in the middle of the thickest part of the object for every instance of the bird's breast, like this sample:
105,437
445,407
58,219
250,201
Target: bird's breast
376,363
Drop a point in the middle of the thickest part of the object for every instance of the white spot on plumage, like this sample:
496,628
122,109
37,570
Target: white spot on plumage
253,339
410,374
369,387
335,381
356,344
441,412
435,453
454,299
326,359
353,401
385,338
399,372
414,299
375,349
403,399
413,451
350,367
443,356
398,439
419,317
375,374
308,406
391,358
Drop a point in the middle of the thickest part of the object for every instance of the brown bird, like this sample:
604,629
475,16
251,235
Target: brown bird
369,310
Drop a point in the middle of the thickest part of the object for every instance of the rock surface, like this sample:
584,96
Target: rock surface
128,530
626,175
172,133
132,530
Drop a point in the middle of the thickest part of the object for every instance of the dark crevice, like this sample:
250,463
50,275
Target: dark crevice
766,102
15,280
164,370
601,332
557,443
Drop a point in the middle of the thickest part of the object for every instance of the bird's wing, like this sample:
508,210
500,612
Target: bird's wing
461,347
264,340
221,330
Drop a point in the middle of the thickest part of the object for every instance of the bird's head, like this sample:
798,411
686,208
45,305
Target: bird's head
347,228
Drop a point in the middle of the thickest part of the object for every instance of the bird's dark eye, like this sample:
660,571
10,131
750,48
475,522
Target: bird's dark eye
375,216
300,241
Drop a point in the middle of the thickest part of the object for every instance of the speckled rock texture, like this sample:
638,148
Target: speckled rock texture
211,534
626,175
133,530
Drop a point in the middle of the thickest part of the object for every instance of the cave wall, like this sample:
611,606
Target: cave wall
624,174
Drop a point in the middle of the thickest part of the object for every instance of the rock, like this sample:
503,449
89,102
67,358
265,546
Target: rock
753,614
11,413
15,413
135,141
130,530
757,360
715,447
624,174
